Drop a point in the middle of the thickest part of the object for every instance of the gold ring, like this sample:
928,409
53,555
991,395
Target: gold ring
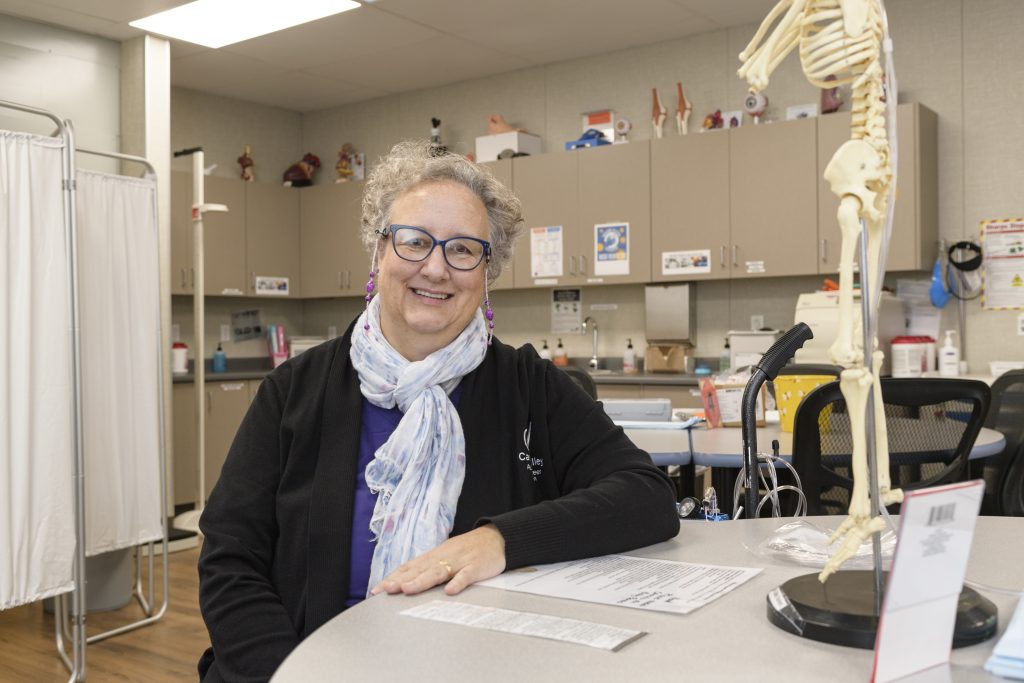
447,567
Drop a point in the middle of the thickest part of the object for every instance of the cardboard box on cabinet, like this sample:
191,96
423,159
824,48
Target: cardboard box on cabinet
488,147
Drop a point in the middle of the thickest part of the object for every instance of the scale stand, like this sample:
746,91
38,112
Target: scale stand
845,610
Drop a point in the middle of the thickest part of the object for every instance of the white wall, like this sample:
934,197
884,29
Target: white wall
75,76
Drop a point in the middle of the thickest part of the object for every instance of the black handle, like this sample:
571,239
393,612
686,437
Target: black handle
783,349
187,152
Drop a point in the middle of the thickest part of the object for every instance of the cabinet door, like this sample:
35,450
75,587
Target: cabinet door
254,387
272,235
182,274
774,199
915,226
833,131
548,187
185,464
615,188
334,262
690,208
226,404
502,170
224,237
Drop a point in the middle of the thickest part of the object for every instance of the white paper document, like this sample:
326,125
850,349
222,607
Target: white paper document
915,631
640,583
588,633
1007,659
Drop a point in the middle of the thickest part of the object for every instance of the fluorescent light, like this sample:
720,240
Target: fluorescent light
216,23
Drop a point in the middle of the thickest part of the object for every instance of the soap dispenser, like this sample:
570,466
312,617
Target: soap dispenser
561,358
949,357
220,360
629,359
725,360
545,352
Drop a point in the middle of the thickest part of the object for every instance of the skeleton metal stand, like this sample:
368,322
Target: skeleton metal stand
845,610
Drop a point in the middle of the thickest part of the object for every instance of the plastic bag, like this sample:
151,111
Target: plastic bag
806,544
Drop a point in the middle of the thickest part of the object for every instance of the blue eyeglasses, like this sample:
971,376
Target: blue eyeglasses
416,244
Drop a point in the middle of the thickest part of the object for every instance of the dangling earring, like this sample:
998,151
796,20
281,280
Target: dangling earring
488,313
369,285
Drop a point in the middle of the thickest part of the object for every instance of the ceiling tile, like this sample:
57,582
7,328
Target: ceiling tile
114,10
427,63
212,69
343,36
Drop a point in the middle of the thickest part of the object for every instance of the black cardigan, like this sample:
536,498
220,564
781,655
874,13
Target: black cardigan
275,561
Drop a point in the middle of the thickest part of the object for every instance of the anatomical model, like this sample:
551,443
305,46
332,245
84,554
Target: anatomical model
683,110
843,38
658,113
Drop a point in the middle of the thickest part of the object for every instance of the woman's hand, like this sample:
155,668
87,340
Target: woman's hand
460,561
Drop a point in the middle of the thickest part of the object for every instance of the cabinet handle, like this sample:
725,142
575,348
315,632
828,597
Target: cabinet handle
348,279
583,264
183,278
253,274
572,265
209,401
340,286
824,250
735,252
721,255
193,272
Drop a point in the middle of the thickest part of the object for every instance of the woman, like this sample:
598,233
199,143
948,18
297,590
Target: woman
415,450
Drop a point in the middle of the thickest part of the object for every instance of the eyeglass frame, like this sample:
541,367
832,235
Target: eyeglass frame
390,231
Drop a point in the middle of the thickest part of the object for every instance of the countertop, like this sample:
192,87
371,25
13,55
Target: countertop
257,368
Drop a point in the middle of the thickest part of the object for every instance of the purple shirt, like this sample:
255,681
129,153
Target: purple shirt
378,424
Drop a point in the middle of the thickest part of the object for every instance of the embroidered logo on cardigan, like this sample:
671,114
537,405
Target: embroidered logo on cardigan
534,466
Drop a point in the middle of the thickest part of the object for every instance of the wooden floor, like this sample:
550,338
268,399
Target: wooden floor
165,651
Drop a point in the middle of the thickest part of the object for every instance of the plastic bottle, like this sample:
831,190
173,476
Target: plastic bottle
629,359
220,360
561,358
545,352
725,360
949,357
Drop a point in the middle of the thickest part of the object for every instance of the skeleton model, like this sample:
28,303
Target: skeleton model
658,113
843,39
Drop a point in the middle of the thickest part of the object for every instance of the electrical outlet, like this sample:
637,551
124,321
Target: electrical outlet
1020,324
756,322
332,331
225,333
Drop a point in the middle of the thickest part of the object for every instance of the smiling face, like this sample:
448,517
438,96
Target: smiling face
425,305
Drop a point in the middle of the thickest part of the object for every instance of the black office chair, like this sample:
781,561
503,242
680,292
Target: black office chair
582,378
1004,473
932,425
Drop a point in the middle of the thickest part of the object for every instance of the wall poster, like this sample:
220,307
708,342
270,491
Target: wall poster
686,262
567,310
546,251
1003,264
611,249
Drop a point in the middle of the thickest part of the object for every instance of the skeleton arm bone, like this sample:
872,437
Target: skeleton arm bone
755,69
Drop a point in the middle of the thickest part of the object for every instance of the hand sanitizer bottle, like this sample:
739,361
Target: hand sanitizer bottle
545,352
949,357
220,360
561,358
629,359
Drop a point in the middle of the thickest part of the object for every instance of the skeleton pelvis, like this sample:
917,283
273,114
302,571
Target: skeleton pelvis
854,169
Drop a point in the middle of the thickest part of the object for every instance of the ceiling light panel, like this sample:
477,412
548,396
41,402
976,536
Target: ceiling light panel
216,23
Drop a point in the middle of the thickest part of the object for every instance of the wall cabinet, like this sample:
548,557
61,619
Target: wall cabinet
226,405
334,262
224,249
690,208
502,170
272,235
548,187
915,224
773,199
615,187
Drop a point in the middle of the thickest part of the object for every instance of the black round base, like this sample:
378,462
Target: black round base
842,611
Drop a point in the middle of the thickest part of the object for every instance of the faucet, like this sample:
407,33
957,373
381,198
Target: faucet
591,324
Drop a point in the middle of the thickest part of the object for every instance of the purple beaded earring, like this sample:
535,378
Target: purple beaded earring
369,285
488,312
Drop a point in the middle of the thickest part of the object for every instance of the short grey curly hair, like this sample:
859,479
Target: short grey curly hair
413,162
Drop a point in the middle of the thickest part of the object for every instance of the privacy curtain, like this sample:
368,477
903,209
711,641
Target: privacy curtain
119,270
37,537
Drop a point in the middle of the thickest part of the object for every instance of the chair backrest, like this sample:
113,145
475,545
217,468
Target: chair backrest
1006,415
582,378
931,424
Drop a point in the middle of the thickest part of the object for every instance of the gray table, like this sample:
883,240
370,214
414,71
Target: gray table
730,639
